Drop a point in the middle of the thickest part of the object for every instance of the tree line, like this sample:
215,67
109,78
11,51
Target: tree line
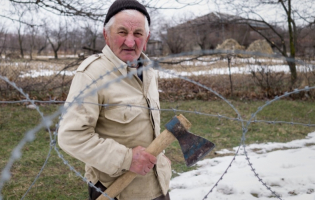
289,30
51,38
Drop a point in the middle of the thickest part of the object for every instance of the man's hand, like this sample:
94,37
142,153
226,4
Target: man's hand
142,162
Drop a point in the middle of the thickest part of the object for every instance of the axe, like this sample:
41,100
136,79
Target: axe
193,147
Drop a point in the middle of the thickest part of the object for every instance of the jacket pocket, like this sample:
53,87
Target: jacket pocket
122,114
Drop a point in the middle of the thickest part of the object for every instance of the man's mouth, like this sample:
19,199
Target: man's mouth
128,49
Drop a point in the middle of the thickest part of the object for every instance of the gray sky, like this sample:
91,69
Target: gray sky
270,13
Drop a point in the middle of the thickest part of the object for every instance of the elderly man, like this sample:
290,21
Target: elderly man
111,126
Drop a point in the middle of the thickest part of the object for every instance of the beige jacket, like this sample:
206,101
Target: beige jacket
112,118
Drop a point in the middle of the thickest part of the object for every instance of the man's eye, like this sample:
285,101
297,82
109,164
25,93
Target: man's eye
122,32
138,34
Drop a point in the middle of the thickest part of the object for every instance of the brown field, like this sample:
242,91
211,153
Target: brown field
261,85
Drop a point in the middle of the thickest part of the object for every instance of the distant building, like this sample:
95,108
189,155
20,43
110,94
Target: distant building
207,31
154,48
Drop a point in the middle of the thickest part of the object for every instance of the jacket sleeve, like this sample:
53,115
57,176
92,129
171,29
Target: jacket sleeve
77,136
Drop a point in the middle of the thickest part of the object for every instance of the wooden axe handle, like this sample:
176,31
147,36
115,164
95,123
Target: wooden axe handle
155,148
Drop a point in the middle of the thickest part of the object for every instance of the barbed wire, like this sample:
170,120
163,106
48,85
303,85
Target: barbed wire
48,120
29,136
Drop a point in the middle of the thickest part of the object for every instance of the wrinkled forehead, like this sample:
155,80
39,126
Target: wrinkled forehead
132,19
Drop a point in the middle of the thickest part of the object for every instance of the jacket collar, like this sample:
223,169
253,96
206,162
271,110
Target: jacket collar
122,67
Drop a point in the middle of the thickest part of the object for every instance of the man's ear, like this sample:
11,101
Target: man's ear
105,34
146,42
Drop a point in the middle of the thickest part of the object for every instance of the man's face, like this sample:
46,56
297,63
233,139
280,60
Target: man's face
127,37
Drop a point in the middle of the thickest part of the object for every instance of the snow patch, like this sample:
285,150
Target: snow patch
288,171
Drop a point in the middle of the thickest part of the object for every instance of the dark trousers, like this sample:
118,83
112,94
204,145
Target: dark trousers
93,194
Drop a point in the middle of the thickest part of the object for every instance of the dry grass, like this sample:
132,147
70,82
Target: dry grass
243,86
41,87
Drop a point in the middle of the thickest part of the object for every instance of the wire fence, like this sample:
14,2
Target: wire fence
164,72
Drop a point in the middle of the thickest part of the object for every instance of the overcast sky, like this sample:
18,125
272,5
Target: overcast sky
270,13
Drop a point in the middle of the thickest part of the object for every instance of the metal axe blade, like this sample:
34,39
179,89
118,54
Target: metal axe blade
193,147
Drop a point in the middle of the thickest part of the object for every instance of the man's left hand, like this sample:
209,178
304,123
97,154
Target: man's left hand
142,162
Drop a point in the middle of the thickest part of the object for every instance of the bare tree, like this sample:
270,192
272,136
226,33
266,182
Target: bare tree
66,7
156,25
32,36
306,43
94,10
174,39
92,31
175,34
55,36
21,30
41,42
289,14
74,40
79,9
3,38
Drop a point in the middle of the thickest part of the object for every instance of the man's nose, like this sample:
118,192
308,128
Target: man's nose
130,41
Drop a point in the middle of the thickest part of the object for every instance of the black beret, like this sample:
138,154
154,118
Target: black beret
120,5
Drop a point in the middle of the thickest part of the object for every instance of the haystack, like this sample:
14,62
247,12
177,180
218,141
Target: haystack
261,46
230,44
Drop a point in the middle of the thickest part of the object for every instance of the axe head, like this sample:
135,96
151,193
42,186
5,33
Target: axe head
193,147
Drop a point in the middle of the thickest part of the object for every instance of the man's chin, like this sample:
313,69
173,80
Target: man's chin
130,59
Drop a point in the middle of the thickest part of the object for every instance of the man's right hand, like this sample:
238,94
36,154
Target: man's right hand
142,161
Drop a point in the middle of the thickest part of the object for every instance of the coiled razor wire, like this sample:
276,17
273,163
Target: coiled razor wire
29,137
47,121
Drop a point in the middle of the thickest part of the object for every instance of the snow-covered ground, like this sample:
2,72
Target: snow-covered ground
45,72
247,66
235,70
290,172
170,73
205,61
